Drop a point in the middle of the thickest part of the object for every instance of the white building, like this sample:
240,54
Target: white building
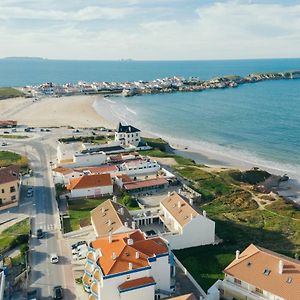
128,266
65,151
139,167
90,186
63,175
187,227
259,274
128,135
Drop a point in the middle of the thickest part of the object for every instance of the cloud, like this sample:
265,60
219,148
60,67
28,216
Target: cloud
218,30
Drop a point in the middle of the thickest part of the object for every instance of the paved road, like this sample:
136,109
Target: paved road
43,211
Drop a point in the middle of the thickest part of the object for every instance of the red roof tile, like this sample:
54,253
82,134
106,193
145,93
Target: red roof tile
136,283
9,174
89,181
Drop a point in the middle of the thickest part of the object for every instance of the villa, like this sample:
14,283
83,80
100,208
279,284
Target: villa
128,135
259,274
97,185
111,217
129,266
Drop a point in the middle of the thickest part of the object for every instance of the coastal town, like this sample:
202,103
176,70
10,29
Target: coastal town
164,85
111,214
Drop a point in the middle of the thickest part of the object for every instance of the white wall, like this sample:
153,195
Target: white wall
88,159
199,231
91,192
130,138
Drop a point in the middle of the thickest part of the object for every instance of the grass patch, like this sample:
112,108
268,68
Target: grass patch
8,158
253,176
8,92
12,136
15,236
157,143
128,201
79,210
96,139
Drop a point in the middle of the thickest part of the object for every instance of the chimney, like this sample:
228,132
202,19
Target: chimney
179,191
191,202
237,254
192,217
137,255
109,222
130,242
110,238
280,267
114,255
133,224
178,204
103,210
130,266
122,210
204,213
169,194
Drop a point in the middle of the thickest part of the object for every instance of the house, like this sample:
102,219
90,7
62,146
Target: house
128,266
145,186
127,135
8,123
111,217
139,166
186,225
9,184
90,186
259,274
64,174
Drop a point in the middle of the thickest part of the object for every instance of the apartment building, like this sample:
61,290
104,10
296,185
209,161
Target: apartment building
9,184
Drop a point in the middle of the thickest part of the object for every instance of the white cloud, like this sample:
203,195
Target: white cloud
230,29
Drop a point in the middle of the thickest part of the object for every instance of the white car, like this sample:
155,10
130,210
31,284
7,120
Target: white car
53,258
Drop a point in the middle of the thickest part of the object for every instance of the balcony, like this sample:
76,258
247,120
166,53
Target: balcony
94,289
251,295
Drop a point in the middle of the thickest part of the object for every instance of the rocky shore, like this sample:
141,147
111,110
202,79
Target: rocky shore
164,85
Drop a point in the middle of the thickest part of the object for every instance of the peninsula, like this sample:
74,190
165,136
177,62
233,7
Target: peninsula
164,85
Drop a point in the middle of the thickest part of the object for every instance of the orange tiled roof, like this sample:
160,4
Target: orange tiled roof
145,183
252,263
125,253
183,213
136,283
62,170
89,181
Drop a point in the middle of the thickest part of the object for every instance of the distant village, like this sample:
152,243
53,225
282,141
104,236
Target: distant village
164,85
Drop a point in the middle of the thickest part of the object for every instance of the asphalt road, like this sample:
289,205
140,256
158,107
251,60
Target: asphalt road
44,214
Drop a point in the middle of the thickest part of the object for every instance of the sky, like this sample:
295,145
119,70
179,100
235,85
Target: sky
150,29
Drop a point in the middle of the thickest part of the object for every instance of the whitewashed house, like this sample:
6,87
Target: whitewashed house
258,274
187,226
127,135
128,266
139,167
90,186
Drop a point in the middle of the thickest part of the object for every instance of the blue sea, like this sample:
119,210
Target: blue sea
260,121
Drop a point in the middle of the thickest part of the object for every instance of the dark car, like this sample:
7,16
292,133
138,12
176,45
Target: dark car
39,233
58,292
74,246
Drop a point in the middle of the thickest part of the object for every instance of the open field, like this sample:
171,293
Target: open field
8,158
13,136
8,92
15,236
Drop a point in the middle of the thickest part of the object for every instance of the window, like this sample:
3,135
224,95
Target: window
13,198
128,277
12,189
2,191
237,281
258,290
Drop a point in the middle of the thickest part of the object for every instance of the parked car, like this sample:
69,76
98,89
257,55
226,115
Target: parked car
58,292
6,132
39,233
4,144
74,246
54,260
29,193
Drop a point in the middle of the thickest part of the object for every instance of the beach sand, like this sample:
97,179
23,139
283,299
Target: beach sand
76,111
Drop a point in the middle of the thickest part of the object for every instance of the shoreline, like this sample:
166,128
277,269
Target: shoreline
210,157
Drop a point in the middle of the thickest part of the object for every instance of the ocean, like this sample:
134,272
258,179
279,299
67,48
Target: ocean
258,122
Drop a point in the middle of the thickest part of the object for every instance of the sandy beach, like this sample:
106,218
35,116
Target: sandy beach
76,111
95,111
